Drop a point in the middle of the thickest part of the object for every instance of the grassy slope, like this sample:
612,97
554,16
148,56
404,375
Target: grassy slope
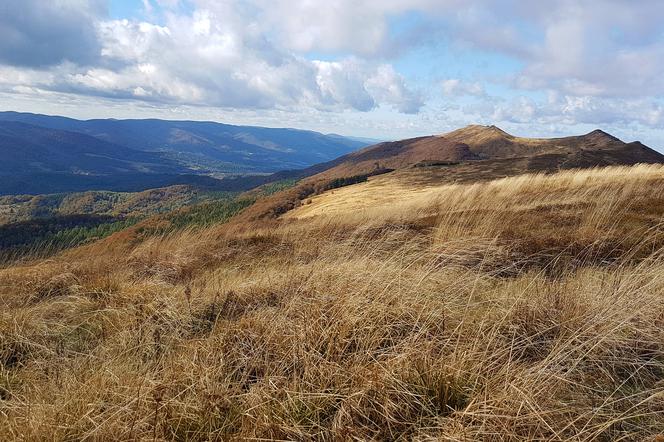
471,154
523,308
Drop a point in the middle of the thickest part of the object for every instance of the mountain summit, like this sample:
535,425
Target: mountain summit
494,149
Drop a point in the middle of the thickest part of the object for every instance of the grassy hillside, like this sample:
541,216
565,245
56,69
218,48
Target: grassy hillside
490,148
468,155
523,308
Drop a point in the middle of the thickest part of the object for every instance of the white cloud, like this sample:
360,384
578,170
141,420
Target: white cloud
358,27
457,87
608,48
207,58
388,86
570,111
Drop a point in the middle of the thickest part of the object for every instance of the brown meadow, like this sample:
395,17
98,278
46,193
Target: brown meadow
523,308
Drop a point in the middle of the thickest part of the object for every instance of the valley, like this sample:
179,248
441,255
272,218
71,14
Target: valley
123,204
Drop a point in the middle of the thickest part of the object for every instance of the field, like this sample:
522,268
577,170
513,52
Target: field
400,308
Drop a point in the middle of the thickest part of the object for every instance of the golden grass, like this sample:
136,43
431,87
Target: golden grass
382,193
529,308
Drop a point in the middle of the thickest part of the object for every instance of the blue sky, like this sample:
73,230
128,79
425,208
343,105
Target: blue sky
384,69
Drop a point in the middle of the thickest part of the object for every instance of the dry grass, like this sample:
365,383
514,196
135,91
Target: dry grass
529,308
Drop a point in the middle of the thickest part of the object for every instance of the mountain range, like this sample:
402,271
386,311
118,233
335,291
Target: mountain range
26,148
208,146
46,154
49,154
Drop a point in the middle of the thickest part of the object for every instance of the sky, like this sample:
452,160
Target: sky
384,69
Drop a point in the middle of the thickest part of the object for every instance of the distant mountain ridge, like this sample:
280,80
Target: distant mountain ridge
26,149
207,147
50,154
44,154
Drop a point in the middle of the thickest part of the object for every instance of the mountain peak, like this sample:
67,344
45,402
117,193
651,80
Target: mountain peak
477,131
600,135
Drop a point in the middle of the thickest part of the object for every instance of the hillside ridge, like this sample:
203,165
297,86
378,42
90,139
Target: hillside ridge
472,153
477,142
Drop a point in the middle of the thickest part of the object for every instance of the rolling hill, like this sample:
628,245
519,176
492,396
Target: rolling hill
38,160
408,291
49,154
524,308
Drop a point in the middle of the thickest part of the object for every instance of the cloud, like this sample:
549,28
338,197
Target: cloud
456,88
213,58
37,33
596,111
216,59
569,110
388,86
607,48
361,28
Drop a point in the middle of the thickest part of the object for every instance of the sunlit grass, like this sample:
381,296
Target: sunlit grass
527,308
